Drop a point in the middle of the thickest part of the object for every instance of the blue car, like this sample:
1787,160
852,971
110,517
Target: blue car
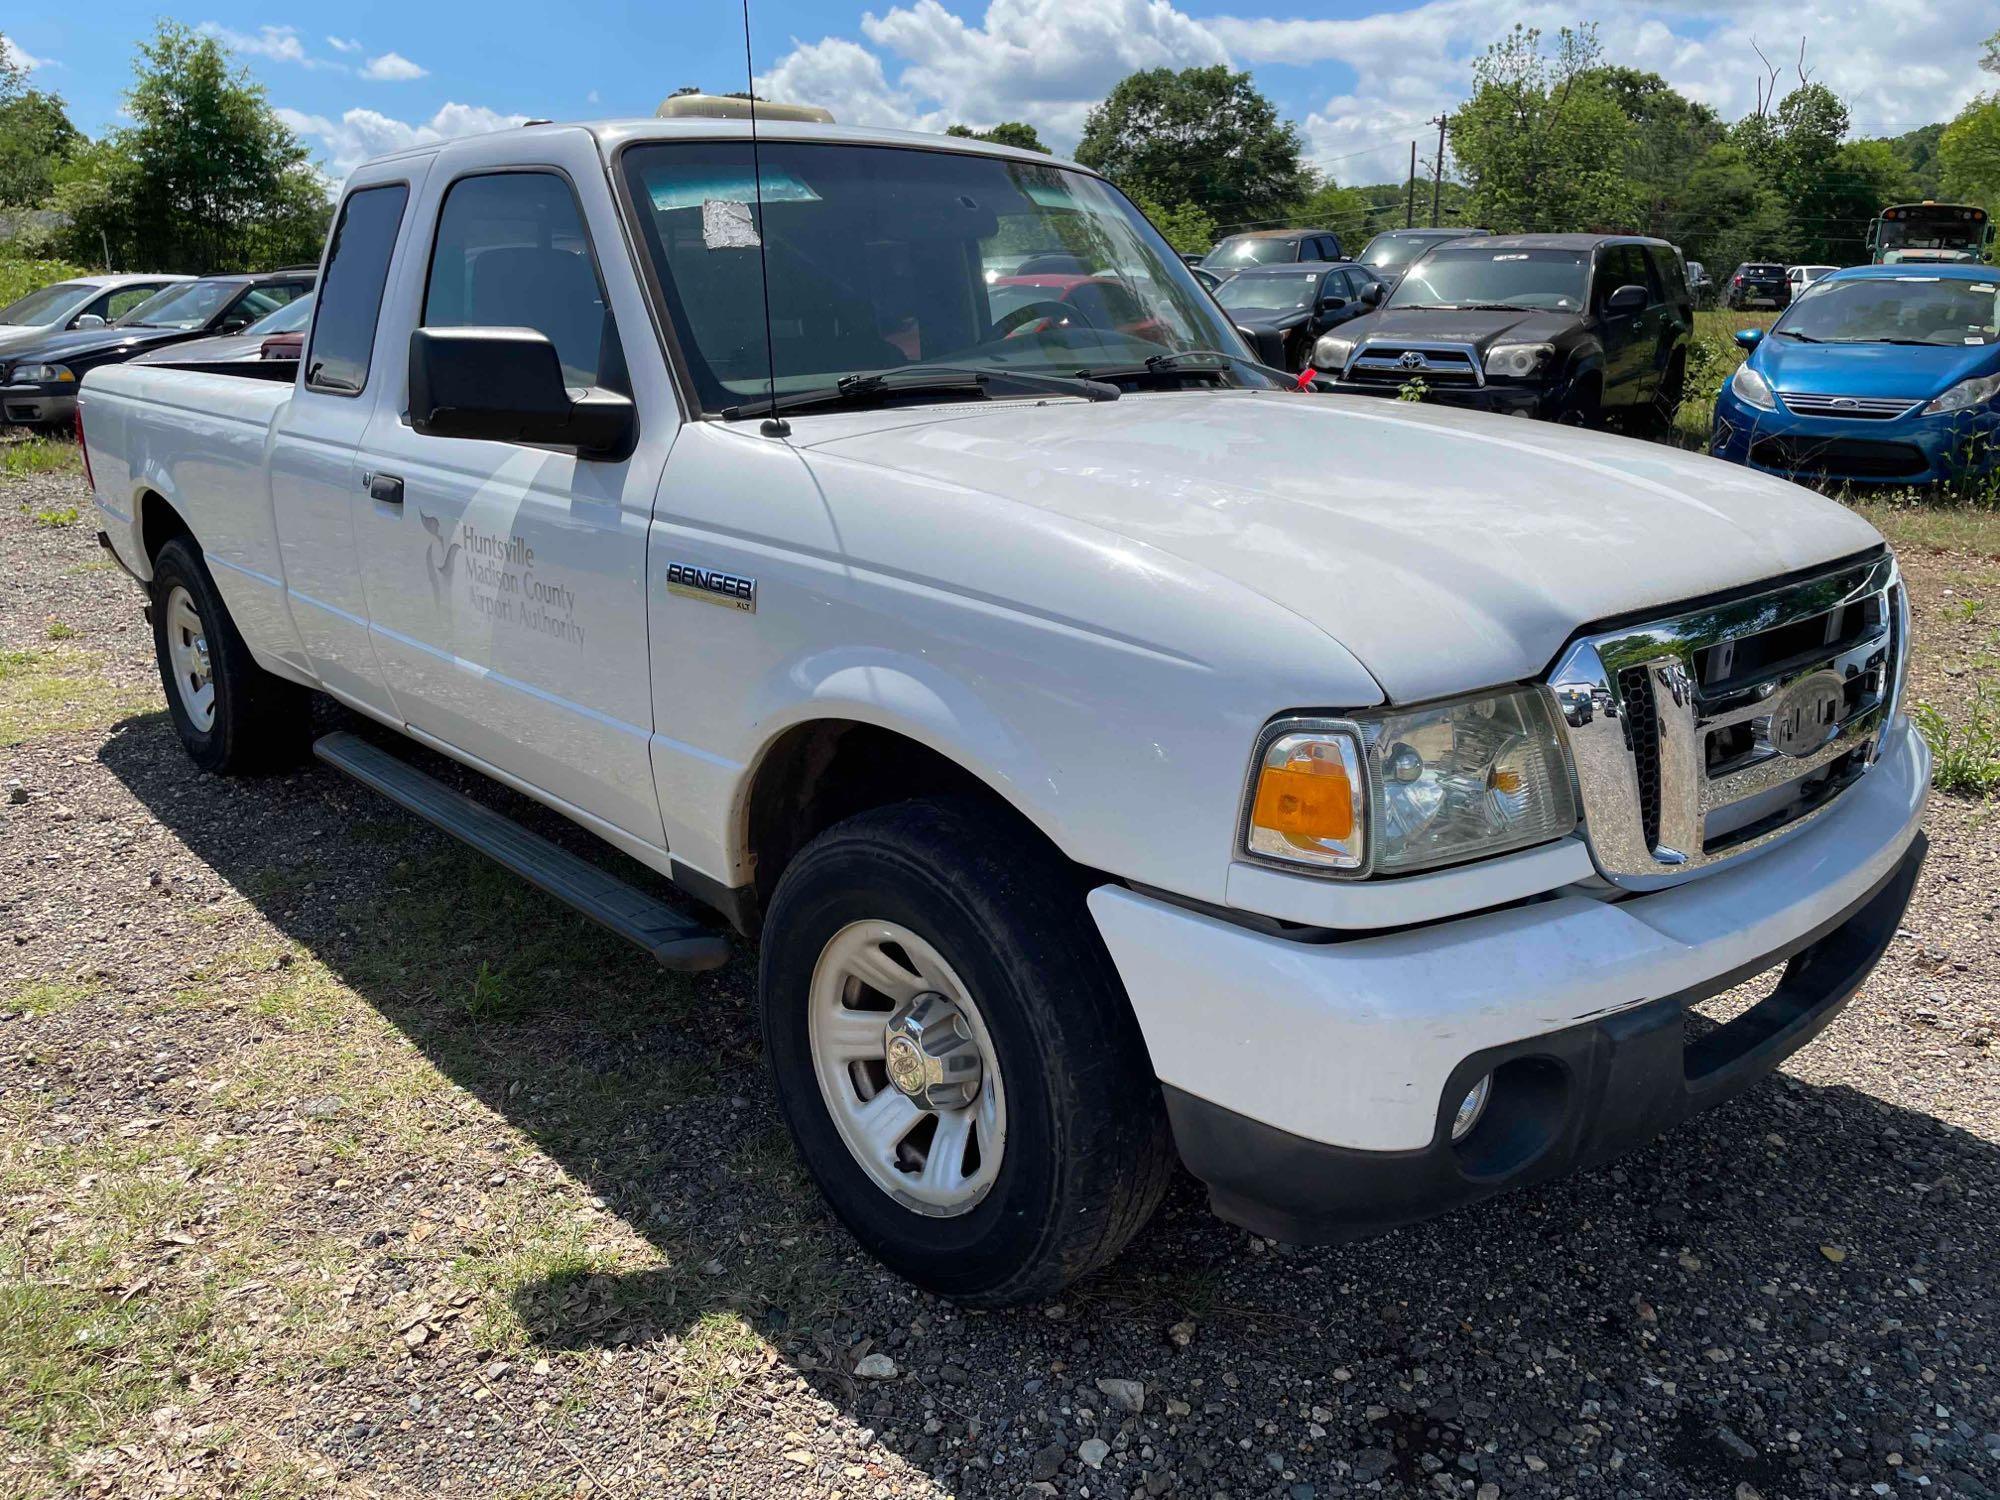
1875,375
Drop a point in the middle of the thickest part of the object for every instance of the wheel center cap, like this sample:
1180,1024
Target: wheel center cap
929,1054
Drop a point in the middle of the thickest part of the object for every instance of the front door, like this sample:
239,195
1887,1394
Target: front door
506,583
1628,338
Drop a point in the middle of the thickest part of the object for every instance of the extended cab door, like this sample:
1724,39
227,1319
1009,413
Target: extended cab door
506,583
314,471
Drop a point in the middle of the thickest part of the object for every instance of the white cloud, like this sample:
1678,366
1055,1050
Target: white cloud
22,58
393,67
278,43
591,97
1044,61
363,133
343,44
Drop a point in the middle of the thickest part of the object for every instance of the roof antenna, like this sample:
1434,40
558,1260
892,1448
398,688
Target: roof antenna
773,425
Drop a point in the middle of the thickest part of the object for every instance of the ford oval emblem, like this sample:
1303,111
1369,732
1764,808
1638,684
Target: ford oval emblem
1807,714
1846,403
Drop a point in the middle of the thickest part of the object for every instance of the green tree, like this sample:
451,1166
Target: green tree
1734,215
1670,132
206,178
36,136
1182,225
1543,143
1006,133
1344,210
1205,136
1969,153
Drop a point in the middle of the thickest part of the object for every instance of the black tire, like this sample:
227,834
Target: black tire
1088,1151
260,722
1581,406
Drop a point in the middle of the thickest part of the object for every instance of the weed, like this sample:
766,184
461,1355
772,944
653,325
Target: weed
61,632
56,515
39,455
44,693
1965,755
48,998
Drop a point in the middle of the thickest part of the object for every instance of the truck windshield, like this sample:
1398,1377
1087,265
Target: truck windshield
1896,310
882,258
1474,276
1269,292
49,305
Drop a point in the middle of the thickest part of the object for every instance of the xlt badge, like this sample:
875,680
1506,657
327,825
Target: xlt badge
713,586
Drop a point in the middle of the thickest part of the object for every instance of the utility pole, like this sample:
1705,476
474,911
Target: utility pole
1410,198
1437,168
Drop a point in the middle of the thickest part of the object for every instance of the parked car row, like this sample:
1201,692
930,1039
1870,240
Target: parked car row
51,338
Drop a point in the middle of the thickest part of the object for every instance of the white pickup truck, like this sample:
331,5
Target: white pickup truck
1117,753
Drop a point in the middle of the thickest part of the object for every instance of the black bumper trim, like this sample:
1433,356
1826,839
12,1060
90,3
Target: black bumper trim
1573,1098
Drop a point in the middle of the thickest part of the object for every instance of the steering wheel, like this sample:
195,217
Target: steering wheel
1014,322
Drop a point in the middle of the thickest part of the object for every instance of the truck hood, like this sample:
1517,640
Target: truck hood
1446,550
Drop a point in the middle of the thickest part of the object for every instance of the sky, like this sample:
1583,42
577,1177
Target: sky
1359,78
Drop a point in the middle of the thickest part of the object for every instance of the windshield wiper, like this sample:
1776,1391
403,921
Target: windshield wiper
971,380
1803,338
1176,363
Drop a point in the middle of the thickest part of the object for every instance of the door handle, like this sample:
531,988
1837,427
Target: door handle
388,488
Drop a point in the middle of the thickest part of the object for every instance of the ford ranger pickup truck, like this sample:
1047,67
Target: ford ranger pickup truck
1116,754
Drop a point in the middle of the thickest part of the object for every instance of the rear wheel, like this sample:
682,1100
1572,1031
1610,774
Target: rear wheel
954,1055
231,715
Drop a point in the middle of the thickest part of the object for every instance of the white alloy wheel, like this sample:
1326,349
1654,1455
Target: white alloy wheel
187,653
907,1068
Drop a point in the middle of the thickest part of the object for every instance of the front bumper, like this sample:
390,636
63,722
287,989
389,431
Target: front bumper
37,405
1911,450
1312,1085
1509,399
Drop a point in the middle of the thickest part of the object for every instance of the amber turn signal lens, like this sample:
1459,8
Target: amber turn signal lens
1307,800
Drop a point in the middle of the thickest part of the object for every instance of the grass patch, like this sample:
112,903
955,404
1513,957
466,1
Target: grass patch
39,455
1966,754
1909,520
61,691
48,998
56,516
58,631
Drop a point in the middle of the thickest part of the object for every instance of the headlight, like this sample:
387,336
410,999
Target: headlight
1394,792
42,374
1752,389
1332,352
1966,393
1517,361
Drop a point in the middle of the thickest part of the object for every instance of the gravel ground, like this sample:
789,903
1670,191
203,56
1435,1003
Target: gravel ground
330,1162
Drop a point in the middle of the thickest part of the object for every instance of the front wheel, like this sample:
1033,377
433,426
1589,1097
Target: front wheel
231,715
954,1055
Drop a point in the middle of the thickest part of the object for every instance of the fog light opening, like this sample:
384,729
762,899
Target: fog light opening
1471,1107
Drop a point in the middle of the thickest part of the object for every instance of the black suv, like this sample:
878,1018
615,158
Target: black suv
1567,327
1759,282
1280,310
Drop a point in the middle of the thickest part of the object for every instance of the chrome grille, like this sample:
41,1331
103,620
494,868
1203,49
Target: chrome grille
1867,408
1705,734
1398,361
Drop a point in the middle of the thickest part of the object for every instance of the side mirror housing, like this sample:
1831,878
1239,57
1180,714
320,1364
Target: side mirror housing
1332,302
505,385
89,320
1626,301
1749,338
1371,294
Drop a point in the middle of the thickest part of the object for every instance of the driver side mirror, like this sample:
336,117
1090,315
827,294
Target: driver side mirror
88,320
1626,301
506,385
1332,302
1371,294
1749,338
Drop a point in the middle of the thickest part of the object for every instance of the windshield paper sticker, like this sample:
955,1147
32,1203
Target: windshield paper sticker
726,224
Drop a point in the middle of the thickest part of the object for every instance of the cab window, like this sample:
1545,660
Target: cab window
511,252
350,297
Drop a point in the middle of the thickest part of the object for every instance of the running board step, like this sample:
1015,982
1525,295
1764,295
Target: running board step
673,939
